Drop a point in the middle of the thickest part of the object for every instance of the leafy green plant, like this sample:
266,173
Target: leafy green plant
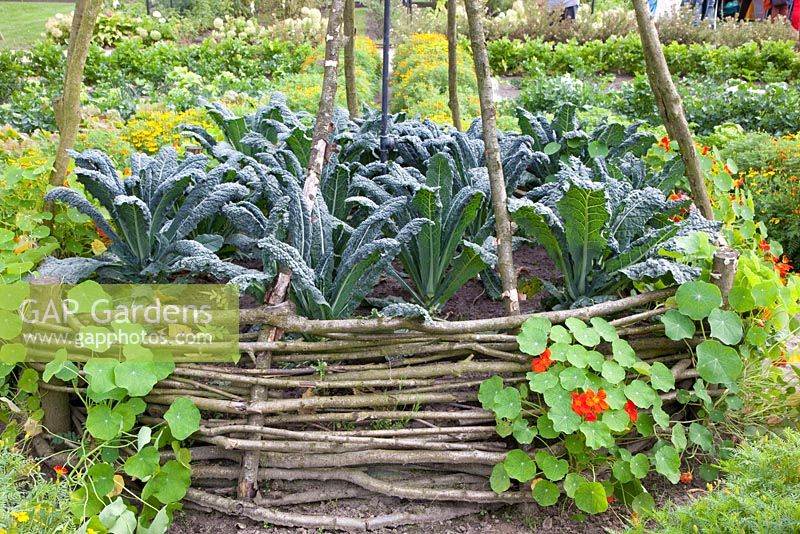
601,231
759,491
151,215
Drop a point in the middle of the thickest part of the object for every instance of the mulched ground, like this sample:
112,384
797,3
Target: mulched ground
526,517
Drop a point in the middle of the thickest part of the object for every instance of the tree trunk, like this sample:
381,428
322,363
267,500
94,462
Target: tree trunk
67,106
670,107
452,63
248,481
505,259
350,57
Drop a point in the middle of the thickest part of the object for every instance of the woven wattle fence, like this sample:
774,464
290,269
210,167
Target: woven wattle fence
372,406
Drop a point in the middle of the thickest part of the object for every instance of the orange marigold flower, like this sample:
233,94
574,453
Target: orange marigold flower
630,409
728,170
664,143
763,245
686,478
783,267
706,150
540,364
678,196
738,183
60,470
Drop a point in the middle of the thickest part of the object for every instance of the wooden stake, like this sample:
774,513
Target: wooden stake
505,259
350,57
452,64
670,107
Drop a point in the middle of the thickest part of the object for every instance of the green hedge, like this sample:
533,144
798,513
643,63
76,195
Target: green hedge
769,61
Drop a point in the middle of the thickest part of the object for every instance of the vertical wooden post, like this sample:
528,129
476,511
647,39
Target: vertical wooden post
670,107
248,480
350,57
67,106
452,64
723,270
505,258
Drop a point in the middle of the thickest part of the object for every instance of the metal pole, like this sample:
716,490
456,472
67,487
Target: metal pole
147,6
386,143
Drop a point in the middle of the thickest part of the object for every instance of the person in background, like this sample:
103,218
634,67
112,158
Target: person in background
570,8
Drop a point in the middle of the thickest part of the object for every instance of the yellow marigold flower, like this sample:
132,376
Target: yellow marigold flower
21,517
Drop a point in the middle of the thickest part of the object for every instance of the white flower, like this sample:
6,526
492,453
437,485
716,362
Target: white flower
162,20
59,16
141,32
56,33
156,14
155,35
218,23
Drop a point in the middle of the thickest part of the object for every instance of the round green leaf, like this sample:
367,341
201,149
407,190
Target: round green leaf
572,378
643,504
616,420
183,418
102,423
545,493
697,299
623,353
507,403
591,498
541,382
10,324
640,393
489,388
583,334
12,353
700,435
499,481
718,364
519,465
102,477
765,293
677,326
143,464
559,334
169,484
668,463
679,436
726,326
613,372
604,328
138,377
564,419
29,381
661,377
741,299
640,465
571,484
552,467
597,434
533,335
14,295
523,433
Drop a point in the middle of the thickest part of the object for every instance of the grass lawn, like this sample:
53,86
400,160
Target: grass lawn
22,22
360,19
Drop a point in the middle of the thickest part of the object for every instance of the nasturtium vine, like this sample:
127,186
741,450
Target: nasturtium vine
588,388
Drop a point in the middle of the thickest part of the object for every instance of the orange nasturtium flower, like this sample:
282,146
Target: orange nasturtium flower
60,470
763,245
540,364
664,143
589,404
630,409
686,478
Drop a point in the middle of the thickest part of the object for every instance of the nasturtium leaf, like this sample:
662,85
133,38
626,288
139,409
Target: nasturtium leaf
100,374
507,403
643,504
640,465
503,427
644,425
583,334
572,378
615,396
144,437
541,382
717,363
143,464
726,326
533,335
183,418
564,419
616,420
519,465
102,478
571,483
137,377
613,372
623,353
89,296
28,381
668,463
158,525
499,481
679,437
489,388
102,423
557,397
96,338
756,336
709,472
544,492
604,328
545,427
12,353
578,356
14,295
559,351
640,393
597,434
553,468
10,324
523,433
741,299
677,326
60,368
552,148
661,377
622,471
595,360
591,498
700,435
697,299
559,334
169,484
764,294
